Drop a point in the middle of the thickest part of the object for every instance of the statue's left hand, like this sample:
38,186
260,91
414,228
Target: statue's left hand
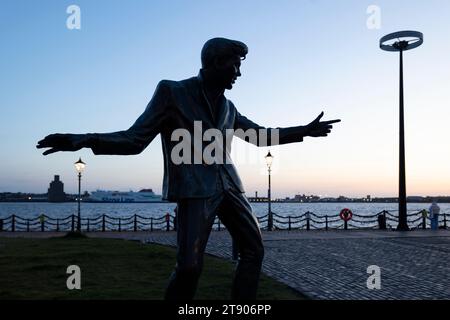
62,142
319,128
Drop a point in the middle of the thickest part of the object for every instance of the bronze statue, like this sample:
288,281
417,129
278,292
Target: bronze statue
201,190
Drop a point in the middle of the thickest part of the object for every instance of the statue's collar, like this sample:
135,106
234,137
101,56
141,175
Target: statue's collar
201,77
202,81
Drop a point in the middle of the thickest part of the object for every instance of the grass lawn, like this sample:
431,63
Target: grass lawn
110,269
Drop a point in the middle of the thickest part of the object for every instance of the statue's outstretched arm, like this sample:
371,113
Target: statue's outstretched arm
261,136
131,141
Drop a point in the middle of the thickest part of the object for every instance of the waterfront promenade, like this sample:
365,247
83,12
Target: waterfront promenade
333,264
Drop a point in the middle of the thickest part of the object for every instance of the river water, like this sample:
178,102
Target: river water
156,210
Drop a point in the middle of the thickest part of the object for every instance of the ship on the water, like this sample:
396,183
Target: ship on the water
144,195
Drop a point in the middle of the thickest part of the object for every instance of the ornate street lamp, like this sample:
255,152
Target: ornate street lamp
269,160
79,166
399,42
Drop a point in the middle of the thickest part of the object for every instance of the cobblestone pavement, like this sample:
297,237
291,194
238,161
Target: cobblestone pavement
333,264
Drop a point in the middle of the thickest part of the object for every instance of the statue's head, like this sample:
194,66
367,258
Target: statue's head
221,59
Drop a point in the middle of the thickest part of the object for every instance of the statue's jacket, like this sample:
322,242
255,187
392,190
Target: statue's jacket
183,105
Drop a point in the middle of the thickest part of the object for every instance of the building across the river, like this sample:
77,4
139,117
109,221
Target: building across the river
56,191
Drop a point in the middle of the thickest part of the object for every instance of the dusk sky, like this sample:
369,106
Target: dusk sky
305,56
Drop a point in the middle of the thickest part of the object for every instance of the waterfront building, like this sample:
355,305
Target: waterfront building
56,191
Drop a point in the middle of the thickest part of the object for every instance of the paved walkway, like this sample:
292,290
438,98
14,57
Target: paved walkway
333,264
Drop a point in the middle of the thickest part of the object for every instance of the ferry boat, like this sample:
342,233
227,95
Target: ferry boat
144,195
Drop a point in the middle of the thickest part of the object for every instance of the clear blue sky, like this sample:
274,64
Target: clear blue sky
305,56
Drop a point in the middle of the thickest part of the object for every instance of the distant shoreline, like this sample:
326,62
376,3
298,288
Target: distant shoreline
264,201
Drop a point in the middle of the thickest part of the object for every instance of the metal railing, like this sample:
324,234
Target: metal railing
306,221
381,220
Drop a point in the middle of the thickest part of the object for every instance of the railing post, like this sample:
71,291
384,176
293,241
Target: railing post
424,220
103,223
218,224
13,223
120,224
345,225
326,223
151,224
42,224
289,223
308,226
445,221
57,225
28,225
73,223
167,222
270,221
88,225
1,225
382,220
135,223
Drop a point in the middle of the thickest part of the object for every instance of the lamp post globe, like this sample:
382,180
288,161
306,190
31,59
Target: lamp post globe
79,166
269,160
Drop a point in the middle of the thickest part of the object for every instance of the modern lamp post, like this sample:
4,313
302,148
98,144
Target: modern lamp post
269,160
399,42
79,166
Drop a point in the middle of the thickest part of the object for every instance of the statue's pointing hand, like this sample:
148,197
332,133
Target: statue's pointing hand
319,128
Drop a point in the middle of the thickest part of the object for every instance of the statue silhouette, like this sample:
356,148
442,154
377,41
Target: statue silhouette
203,190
